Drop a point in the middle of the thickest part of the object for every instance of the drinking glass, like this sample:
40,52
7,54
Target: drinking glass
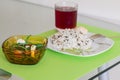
65,15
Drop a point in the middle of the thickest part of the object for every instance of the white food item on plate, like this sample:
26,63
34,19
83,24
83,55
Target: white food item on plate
71,39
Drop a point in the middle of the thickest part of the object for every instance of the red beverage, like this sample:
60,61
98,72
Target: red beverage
65,17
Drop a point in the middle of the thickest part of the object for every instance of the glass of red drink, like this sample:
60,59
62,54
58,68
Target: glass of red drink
65,15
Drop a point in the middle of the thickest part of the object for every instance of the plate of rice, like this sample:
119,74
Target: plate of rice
77,42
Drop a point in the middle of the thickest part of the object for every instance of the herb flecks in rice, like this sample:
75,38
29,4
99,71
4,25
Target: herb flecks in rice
71,39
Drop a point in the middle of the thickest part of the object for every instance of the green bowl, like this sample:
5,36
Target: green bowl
24,49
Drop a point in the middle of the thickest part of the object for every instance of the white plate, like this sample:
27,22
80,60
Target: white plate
98,47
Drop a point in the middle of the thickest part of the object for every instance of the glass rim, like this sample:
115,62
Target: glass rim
66,3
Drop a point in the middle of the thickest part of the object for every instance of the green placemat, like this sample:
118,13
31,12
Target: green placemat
56,66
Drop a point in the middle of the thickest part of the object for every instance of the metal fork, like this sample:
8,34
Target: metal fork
95,36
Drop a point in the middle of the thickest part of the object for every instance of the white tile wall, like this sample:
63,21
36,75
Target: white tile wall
107,10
